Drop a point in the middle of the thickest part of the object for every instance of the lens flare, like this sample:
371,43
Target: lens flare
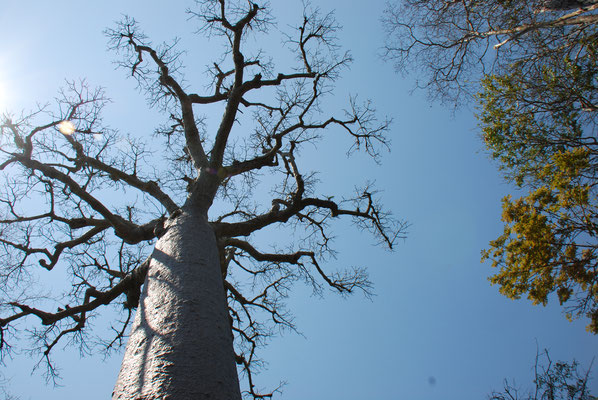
66,127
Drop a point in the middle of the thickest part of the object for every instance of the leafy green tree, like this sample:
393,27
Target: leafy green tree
164,228
535,127
534,64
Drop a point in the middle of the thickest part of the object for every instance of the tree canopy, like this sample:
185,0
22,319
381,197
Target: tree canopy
532,68
81,199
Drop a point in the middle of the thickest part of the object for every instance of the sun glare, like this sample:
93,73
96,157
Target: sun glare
66,127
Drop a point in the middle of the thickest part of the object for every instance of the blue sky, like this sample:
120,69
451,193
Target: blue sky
434,318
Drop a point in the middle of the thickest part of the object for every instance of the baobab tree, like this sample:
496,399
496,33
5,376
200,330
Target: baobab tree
165,227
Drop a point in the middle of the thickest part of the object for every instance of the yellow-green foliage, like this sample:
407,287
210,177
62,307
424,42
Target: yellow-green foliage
532,125
547,244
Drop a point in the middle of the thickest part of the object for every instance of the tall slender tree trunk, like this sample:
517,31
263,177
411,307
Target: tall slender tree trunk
181,346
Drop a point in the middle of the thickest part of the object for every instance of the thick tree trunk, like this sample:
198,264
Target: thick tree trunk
180,347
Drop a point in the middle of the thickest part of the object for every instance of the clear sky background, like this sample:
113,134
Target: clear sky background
436,329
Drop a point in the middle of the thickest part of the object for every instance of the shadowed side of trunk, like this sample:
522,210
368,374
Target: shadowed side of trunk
180,345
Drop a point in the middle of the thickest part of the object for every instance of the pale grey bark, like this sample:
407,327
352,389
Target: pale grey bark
180,345
181,342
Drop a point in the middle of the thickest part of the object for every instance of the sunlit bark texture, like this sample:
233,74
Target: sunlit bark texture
181,319
166,224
